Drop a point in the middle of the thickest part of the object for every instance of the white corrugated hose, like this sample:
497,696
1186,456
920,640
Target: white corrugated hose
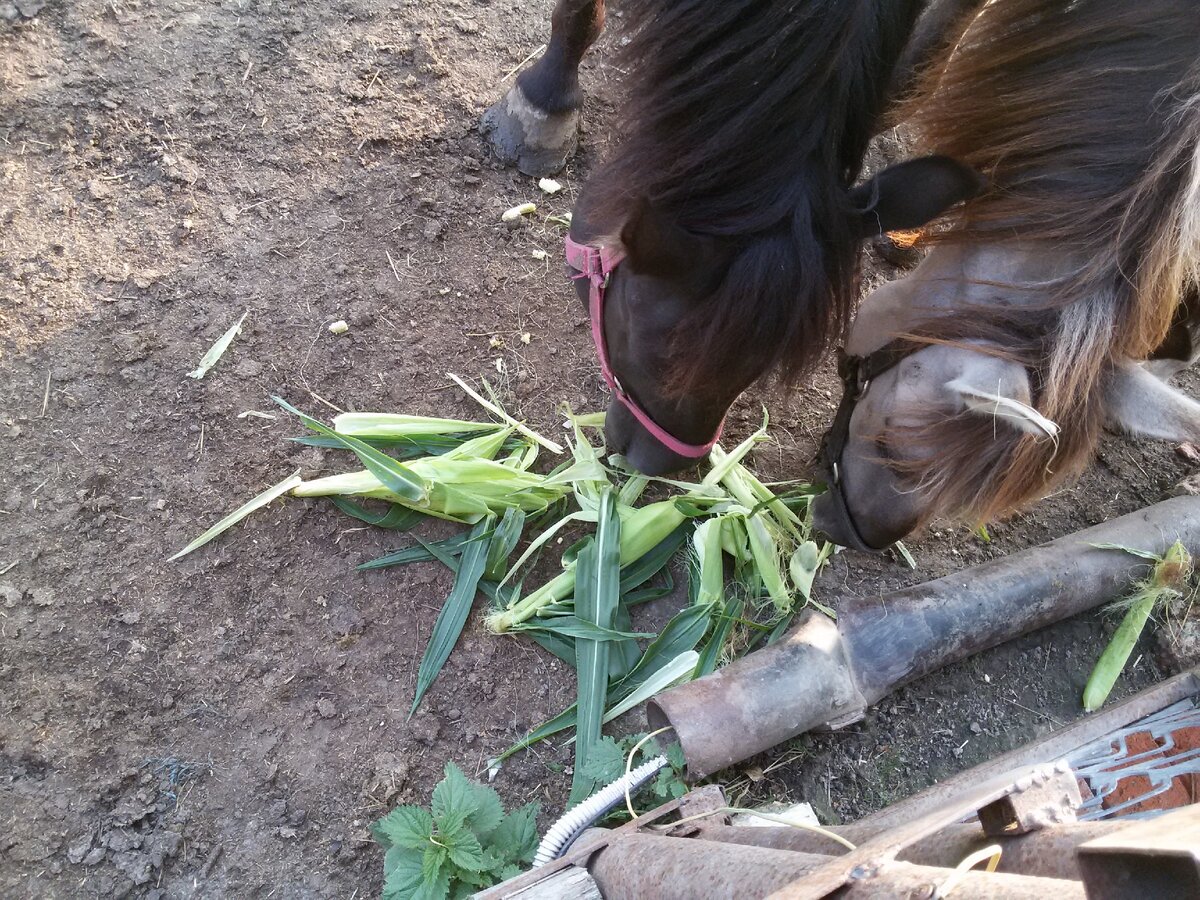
563,833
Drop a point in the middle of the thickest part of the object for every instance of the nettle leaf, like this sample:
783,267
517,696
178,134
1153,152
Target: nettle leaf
433,864
516,837
402,872
405,826
463,890
463,849
401,864
606,763
489,811
454,794
435,888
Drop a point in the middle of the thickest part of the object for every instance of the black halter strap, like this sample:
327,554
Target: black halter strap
856,373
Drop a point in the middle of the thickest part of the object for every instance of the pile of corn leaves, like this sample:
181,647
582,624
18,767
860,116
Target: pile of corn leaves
481,474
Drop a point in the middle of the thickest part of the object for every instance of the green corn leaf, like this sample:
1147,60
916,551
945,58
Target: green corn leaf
780,627
397,518
495,410
623,655
597,594
560,645
710,655
803,566
406,427
681,668
646,567
543,538
683,632
575,627
449,547
454,612
564,720
646,594
217,350
394,476
399,447
709,581
905,555
240,513
504,540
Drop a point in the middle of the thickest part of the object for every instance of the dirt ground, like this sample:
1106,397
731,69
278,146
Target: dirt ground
230,724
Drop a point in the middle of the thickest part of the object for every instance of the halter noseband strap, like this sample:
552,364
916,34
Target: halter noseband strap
856,373
597,264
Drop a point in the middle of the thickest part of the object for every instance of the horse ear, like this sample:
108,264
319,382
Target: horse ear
911,193
1139,404
656,245
1001,407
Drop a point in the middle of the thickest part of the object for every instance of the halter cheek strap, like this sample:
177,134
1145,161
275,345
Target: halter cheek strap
597,264
856,374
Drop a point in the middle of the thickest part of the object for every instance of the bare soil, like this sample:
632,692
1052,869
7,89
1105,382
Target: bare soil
230,724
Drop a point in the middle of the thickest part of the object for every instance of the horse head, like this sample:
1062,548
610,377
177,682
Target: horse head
689,320
954,426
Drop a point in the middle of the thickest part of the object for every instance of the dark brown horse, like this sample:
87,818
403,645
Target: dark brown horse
731,198
994,367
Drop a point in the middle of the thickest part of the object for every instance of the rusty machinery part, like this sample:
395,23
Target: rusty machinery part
1086,737
1153,758
911,849
825,674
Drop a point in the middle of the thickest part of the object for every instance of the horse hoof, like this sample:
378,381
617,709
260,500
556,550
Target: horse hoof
536,142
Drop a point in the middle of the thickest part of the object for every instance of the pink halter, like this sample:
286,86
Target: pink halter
596,264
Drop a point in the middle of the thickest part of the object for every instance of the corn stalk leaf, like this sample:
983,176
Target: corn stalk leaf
646,594
575,627
678,669
560,645
400,447
450,620
711,654
683,632
424,551
397,518
398,425
646,567
597,594
217,350
495,410
504,541
394,476
240,513
623,655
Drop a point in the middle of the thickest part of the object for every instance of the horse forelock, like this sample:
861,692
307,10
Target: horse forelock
1085,115
746,121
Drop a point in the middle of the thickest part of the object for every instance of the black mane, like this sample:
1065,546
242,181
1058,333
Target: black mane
747,120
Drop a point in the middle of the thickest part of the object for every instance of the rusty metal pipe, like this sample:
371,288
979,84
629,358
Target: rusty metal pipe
643,865
827,674
1047,853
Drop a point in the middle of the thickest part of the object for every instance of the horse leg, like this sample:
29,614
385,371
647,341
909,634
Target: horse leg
1181,347
536,125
